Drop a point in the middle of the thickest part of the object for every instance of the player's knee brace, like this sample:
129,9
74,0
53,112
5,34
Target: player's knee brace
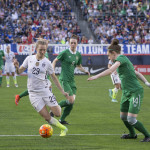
131,120
123,117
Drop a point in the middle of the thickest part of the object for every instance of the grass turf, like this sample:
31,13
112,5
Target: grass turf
95,120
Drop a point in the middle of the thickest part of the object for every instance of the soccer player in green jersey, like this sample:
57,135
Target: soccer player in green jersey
25,93
70,59
1,64
132,91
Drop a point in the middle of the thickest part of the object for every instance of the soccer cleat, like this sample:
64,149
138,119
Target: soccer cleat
64,122
8,85
127,136
16,85
17,98
146,139
110,93
64,132
114,100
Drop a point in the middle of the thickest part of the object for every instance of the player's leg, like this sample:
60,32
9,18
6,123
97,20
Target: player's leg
67,109
134,108
68,104
7,79
7,74
52,103
0,75
14,79
17,97
113,92
123,115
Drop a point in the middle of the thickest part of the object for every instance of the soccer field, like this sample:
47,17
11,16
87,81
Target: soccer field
95,120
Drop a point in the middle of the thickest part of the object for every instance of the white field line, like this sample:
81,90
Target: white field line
67,135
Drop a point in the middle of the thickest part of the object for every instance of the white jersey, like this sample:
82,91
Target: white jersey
37,75
110,62
9,57
114,76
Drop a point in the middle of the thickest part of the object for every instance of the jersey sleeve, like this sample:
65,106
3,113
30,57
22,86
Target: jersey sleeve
3,53
61,56
25,62
121,59
13,54
50,68
80,60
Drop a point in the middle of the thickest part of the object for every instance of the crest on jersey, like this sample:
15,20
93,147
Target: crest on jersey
43,65
37,63
76,57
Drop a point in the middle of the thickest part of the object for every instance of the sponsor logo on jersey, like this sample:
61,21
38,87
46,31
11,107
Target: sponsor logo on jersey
69,56
96,70
76,57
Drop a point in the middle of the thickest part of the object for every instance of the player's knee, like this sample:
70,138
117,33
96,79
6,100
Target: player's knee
123,117
131,120
71,101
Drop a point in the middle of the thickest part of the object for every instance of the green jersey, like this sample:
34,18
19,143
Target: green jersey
69,61
1,57
129,81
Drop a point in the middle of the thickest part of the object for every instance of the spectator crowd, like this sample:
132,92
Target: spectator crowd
126,20
23,21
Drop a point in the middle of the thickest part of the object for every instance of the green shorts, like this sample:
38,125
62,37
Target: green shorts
69,87
132,103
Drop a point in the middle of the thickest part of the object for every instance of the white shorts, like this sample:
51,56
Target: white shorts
115,78
9,67
38,102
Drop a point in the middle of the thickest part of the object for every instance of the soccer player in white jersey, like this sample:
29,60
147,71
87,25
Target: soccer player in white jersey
9,66
116,81
38,85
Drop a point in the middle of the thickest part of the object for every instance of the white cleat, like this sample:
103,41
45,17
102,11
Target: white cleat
114,100
8,85
64,132
16,85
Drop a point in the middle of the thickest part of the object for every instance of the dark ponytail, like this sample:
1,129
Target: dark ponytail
115,46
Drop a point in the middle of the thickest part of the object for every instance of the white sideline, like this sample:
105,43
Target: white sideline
67,135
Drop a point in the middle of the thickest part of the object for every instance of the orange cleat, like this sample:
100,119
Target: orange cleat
17,98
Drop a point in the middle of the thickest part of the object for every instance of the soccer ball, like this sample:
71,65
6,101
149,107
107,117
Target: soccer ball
46,131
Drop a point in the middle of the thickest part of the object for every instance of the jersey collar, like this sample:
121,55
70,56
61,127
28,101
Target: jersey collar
72,51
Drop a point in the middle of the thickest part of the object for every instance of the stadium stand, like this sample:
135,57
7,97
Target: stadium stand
22,21
126,20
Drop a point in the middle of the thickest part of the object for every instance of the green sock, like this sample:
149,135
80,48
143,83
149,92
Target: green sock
25,93
66,112
139,126
0,79
64,103
130,128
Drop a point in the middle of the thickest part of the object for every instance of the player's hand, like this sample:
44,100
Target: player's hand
66,94
92,78
88,73
16,63
147,83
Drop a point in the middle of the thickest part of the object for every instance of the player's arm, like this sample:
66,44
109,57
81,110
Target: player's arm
80,67
142,78
106,72
54,63
109,65
18,70
54,78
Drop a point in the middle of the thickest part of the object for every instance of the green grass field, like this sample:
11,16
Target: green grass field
95,120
